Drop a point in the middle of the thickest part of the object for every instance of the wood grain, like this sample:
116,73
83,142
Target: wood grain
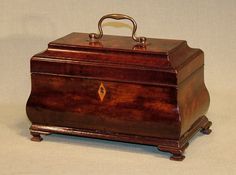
154,94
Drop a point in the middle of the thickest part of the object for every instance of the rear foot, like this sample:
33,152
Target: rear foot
206,129
177,157
36,137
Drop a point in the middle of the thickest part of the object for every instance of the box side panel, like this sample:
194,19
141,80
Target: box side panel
193,99
135,109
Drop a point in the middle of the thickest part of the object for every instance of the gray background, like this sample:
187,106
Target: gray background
27,26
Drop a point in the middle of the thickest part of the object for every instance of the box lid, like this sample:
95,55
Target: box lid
164,56
116,43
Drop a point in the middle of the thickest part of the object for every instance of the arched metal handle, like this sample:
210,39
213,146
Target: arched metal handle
93,36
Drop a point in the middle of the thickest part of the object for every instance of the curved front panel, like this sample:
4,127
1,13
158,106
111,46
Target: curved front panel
107,106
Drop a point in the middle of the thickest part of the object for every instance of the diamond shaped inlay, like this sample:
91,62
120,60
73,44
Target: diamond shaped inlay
101,91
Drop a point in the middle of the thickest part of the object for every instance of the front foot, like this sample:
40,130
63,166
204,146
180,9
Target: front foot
177,152
36,137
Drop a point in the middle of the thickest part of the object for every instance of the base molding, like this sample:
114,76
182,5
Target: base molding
175,147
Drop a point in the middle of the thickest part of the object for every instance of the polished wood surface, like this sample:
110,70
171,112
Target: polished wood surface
154,95
116,43
126,108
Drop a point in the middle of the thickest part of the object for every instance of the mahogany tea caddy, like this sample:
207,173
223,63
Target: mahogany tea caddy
129,89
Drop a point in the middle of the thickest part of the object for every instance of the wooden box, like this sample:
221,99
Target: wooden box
131,89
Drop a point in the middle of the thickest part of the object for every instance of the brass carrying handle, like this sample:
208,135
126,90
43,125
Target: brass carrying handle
94,36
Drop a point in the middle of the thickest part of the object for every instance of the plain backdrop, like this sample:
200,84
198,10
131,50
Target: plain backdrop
26,27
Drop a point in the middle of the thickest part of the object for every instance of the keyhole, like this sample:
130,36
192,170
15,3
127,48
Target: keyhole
102,90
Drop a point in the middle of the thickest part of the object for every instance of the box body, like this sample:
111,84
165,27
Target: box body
118,90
